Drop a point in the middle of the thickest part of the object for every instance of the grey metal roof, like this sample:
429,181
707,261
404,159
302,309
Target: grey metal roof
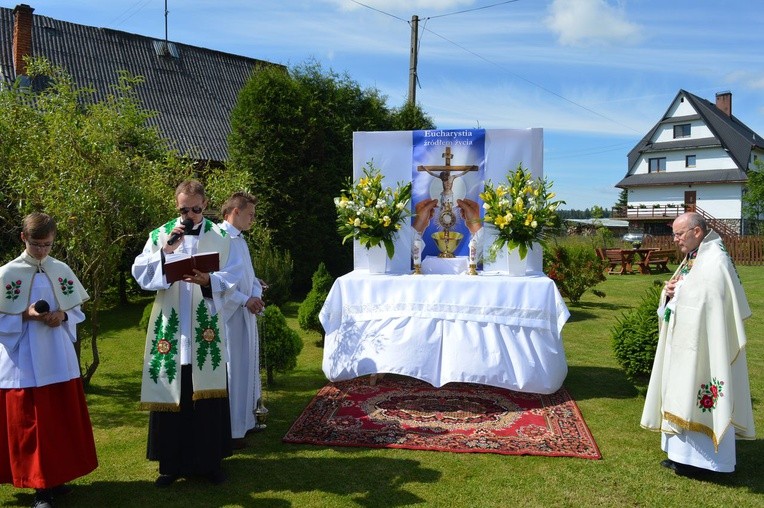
729,132
193,94
683,177
608,223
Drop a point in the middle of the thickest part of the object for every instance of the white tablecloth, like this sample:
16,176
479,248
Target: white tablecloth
489,329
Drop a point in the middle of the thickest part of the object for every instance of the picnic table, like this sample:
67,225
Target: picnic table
624,261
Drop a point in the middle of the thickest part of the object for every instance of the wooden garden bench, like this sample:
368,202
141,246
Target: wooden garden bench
659,259
614,258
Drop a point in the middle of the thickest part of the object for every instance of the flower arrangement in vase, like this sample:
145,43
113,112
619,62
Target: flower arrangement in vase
522,211
371,213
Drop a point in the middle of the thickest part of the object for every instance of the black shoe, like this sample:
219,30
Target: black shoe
238,443
60,490
668,463
42,499
165,480
217,477
691,471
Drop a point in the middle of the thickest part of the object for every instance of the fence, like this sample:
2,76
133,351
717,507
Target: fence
744,250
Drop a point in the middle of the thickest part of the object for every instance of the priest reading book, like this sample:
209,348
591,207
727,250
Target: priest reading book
179,264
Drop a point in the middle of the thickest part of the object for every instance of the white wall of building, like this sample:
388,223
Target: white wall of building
705,158
720,201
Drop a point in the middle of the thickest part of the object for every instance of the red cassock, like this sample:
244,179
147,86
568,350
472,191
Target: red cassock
46,438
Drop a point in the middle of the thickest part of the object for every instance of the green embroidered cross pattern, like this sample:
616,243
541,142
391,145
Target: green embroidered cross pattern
164,347
207,338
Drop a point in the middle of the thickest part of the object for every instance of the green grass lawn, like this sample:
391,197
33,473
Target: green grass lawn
270,473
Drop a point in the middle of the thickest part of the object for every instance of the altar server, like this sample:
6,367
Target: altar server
243,303
699,397
46,438
184,371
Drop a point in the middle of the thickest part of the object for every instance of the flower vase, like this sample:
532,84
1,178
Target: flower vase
515,266
377,257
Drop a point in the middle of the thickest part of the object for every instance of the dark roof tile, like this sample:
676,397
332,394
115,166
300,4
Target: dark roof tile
193,94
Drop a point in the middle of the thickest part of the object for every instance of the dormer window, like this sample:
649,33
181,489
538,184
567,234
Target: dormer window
682,131
657,165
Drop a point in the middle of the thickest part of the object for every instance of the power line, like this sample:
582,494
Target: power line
379,11
470,10
126,14
473,53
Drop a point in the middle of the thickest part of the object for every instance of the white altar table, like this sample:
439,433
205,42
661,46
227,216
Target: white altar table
488,329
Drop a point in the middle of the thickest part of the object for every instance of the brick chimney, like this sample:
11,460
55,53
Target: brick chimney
22,37
724,102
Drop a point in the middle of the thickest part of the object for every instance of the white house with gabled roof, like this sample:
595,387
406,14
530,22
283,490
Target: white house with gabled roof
696,157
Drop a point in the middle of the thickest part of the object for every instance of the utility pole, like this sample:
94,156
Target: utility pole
413,59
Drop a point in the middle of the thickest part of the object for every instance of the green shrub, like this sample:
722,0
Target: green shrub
272,265
144,323
307,314
635,337
574,269
279,344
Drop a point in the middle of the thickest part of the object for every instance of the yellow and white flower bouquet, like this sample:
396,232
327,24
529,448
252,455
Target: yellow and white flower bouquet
371,213
522,210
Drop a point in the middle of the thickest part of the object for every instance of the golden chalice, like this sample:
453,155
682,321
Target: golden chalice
447,242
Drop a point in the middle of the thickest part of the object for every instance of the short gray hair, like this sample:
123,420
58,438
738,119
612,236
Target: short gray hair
695,220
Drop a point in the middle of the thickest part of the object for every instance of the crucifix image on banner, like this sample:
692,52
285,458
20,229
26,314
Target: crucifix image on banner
448,165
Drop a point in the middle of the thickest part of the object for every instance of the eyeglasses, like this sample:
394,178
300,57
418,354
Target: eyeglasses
184,210
40,245
680,235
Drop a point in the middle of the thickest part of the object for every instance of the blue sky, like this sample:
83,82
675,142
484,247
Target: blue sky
596,75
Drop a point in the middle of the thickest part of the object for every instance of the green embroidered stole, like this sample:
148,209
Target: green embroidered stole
160,388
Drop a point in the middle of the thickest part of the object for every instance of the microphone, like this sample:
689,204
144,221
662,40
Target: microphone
187,225
41,306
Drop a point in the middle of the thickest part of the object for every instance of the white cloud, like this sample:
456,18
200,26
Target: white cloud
749,79
591,22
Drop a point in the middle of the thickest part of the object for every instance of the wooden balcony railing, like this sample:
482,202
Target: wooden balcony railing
648,212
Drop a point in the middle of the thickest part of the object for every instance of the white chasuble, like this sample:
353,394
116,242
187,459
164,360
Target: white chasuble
699,380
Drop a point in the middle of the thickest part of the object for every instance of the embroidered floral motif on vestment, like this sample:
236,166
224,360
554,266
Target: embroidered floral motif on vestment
207,338
709,394
12,290
67,286
164,347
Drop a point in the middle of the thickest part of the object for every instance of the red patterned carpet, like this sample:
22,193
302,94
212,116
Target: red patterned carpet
401,412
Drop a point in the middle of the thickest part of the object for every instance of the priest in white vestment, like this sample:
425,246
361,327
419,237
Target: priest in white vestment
184,381
699,396
242,304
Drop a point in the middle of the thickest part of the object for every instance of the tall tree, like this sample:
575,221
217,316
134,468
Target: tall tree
293,132
753,198
95,166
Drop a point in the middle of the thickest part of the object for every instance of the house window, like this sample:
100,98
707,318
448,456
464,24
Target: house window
689,161
657,164
682,131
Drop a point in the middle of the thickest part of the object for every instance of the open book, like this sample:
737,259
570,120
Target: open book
176,265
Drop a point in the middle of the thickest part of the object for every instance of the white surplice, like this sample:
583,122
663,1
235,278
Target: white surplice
33,353
244,386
